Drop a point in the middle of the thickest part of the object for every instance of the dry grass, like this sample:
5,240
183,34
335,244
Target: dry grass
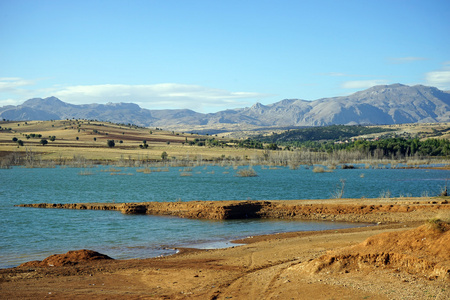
437,224
144,170
83,142
92,142
320,169
249,172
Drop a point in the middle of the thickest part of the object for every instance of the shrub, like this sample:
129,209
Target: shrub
247,172
339,192
319,169
437,224
443,192
385,194
164,155
110,143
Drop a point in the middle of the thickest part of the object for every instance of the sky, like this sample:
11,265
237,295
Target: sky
214,55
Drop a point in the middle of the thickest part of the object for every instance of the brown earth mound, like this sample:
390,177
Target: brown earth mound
69,258
423,251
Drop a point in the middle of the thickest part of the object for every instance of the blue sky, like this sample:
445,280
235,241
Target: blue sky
213,55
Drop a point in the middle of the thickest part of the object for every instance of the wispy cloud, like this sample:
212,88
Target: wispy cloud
13,90
164,95
362,84
439,78
5,102
13,84
153,96
404,60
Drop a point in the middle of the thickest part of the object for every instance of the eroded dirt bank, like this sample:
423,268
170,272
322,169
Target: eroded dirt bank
408,259
353,210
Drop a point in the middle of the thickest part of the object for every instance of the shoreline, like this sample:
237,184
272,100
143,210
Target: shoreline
365,210
296,265
170,249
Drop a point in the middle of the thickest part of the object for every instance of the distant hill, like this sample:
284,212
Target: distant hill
383,104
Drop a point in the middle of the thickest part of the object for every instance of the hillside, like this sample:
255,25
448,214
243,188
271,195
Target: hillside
384,104
79,140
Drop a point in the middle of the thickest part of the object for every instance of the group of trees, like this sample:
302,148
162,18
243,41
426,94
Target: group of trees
16,140
390,147
43,142
213,142
320,133
403,147
5,128
335,138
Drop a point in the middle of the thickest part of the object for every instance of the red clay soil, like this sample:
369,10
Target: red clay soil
353,210
69,258
423,251
401,258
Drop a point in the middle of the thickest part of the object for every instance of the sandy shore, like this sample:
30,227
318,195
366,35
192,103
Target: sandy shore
334,264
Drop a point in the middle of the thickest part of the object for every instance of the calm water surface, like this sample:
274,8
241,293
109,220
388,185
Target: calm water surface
31,234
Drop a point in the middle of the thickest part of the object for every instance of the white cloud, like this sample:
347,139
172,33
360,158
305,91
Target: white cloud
157,96
439,78
153,96
6,102
362,84
11,84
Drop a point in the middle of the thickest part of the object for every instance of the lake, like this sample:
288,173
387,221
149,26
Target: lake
33,234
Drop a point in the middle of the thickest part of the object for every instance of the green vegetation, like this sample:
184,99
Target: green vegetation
164,155
410,144
336,138
335,132
144,145
110,143
388,148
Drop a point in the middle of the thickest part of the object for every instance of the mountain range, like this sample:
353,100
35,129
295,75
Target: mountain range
382,104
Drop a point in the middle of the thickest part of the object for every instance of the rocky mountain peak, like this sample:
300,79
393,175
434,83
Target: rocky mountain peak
49,101
382,104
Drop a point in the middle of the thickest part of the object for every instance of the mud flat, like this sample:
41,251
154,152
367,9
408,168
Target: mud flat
404,257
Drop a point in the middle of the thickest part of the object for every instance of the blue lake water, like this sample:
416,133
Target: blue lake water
33,234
